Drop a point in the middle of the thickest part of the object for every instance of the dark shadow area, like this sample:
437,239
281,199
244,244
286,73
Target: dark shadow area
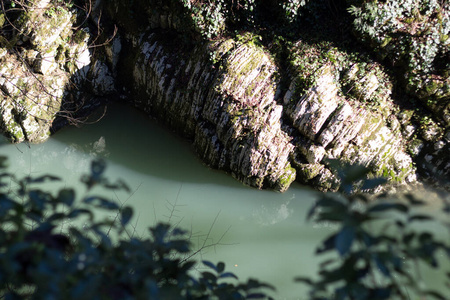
129,137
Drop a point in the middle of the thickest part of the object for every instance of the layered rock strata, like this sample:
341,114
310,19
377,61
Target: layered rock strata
45,63
228,109
225,95
226,98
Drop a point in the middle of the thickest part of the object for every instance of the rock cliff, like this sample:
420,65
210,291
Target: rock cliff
266,119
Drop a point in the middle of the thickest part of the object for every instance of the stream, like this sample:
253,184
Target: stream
258,234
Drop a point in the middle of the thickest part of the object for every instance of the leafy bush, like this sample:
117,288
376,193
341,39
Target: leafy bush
413,36
291,8
215,17
46,252
56,247
378,243
209,18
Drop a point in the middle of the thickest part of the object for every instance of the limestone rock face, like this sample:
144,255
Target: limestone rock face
47,71
225,96
227,109
333,127
36,65
245,113
28,101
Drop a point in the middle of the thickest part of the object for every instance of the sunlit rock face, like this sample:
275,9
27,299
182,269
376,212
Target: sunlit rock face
332,126
36,64
227,108
47,69
225,96
265,124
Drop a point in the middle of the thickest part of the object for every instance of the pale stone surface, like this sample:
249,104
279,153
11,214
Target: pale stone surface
334,127
229,111
312,110
33,81
235,122
226,98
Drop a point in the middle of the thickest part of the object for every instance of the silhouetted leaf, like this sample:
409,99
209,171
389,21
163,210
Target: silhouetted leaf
41,179
209,276
79,211
187,266
425,237
66,196
9,179
254,284
3,162
105,240
178,231
182,246
388,206
228,275
220,267
413,200
305,280
360,197
344,239
407,238
397,262
400,224
39,198
359,291
334,275
329,216
101,202
6,204
446,208
56,217
419,218
327,245
382,265
160,232
98,166
126,213
369,240
118,185
312,211
327,262
381,293
332,203
362,272
210,264
256,296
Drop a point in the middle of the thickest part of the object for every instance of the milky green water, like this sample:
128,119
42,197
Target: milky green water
259,234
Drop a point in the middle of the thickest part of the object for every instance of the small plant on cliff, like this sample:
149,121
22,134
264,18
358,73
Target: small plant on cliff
380,245
53,246
411,35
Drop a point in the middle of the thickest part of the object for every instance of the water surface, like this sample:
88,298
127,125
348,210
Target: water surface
259,234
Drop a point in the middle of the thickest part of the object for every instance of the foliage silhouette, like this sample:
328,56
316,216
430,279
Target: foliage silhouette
380,240
45,253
